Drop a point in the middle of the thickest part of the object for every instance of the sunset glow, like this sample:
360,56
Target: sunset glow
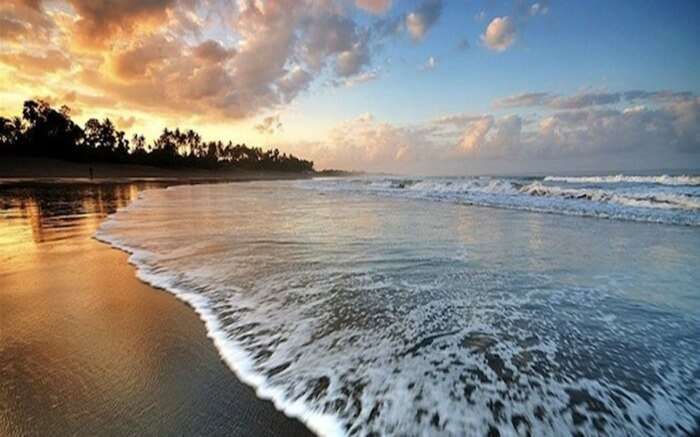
431,87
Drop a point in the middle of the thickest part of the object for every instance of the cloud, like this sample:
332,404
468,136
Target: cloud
213,51
146,58
365,77
159,55
489,137
584,100
12,30
638,129
101,20
661,96
459,121
50,62
125,122
685,119
585,132
23,21
74,98
419,22
539,8
453,143
578,101
475,134
351,62
374,6
587,99
292,83
500,34
523,100
429,64
369,144
269,125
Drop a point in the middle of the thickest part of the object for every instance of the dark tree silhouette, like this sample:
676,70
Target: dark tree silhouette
44,131
49,132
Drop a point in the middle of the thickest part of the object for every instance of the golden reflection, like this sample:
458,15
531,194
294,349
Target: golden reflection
32,216
75,321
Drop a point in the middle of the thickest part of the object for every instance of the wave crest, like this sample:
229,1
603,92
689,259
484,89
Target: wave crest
617,179
654,199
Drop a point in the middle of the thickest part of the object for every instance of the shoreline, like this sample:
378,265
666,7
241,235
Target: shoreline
238,360
33,170
88,346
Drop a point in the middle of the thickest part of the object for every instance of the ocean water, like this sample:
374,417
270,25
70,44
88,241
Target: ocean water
442,306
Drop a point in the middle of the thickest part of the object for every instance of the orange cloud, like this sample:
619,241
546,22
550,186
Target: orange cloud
99,21
12,30
160,56
51,62
24,21
374,6
145,58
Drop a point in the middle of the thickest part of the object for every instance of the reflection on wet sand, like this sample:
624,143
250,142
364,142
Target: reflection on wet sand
86,348
53,213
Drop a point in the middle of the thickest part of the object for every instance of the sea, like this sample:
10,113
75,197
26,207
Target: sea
421,306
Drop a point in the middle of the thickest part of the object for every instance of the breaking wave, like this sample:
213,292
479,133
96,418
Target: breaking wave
656,199
617,179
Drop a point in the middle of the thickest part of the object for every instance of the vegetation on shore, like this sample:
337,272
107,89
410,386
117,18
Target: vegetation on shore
43,131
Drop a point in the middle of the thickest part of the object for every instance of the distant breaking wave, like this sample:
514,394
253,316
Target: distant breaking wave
641,200
616,179
654,199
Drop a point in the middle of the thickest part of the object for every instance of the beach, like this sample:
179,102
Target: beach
88,349
340,218
366,305
33,169
442,306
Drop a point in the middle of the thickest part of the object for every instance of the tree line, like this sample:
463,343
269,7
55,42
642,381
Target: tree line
44,131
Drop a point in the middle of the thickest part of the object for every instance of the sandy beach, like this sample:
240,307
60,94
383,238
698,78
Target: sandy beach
88,349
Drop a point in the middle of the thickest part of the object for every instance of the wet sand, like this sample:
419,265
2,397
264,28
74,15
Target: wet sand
88,349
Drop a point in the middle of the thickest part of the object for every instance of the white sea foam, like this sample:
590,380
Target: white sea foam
234,356
617,179
633,199
357,321
637,201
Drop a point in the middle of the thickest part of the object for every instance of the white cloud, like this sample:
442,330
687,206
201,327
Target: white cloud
538,9
365,143
459,121
365,77
429,64
500,34
493,142
475,135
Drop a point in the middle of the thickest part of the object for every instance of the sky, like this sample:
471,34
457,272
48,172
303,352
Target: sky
401,86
